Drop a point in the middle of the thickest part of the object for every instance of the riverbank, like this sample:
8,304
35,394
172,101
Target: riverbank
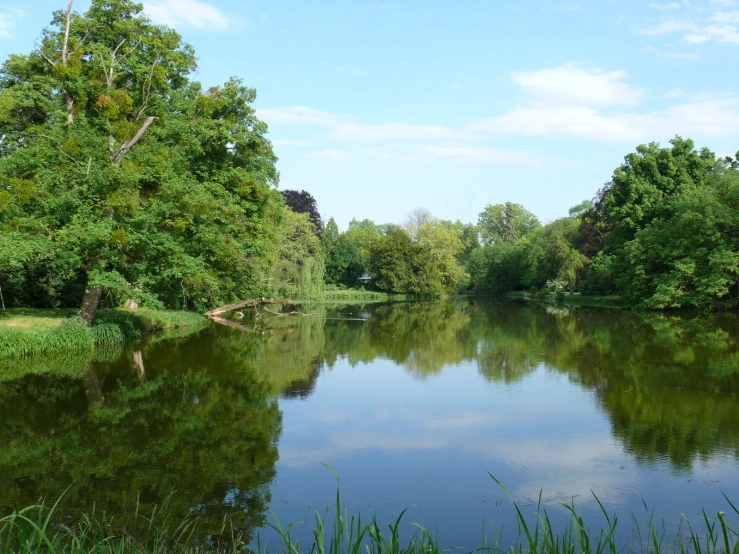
354,295
27,332
32,531
577,299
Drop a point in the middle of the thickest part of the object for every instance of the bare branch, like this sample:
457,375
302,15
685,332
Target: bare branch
80,43
65,44
126,146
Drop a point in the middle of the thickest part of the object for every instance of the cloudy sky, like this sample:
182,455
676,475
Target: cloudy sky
377,107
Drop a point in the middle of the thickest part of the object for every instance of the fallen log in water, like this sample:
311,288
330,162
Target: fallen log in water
255,304
250,303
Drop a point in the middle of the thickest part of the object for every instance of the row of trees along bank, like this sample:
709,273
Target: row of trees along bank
124,178
663,233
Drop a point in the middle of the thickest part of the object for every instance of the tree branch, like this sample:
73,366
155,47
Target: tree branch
126,146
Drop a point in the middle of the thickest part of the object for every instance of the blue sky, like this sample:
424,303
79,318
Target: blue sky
380,107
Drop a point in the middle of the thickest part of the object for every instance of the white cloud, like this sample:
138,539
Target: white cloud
726,17
475,155
695,38
689,56
6,25
8,17
667,26
723,33
301,115
707,118
568,101
670,6
390,131
333,155
343,129
674,93
574,85
192,13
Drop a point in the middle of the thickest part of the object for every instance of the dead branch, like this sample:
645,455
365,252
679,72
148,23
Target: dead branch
255,304
232,307
126,146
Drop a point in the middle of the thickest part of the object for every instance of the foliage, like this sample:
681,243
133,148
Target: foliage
505,223
299,269
425,265
494,269
691,258
344,264
302,202
124,173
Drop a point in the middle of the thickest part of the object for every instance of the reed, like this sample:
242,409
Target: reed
33,530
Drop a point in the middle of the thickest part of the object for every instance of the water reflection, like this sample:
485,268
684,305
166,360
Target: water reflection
194,420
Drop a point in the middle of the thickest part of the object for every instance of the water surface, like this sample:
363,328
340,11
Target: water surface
414,404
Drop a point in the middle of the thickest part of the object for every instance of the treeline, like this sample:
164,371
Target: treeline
663,233
123,179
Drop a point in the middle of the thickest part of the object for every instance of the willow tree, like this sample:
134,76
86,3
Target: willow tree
127,175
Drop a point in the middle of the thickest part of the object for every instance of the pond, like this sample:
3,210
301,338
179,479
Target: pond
415,405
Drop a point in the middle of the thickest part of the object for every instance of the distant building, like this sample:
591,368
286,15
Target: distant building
365,279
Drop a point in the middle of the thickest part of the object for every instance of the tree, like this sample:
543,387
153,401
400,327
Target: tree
299,269
690,258
417,219
129,176
330,235
302,202
344,264
506,223
366,234
427,265
390,262
645,186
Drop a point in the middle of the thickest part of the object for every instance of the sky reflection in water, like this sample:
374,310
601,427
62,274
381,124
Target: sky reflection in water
413,407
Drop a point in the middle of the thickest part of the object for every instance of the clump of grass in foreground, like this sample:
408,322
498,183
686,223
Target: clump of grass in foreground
34,531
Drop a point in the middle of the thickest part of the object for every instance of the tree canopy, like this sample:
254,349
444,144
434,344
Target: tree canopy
124,173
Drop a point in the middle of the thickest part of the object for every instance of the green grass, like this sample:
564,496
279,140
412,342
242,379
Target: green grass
27,319
48,332
364,295
34,530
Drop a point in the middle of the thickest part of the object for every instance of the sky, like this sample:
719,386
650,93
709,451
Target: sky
380,107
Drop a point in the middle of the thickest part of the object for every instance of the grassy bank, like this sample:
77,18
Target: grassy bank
25,332
34,530
576,299
353,295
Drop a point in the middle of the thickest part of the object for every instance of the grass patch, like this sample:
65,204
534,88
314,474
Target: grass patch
351,295
48,332
26,319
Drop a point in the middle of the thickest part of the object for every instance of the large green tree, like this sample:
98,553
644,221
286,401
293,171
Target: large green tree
506,223
120,172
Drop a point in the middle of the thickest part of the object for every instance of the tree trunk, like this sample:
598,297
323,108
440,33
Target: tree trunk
571,282
91,384
90,304
137,363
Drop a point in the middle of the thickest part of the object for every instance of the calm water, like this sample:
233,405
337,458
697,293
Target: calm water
413,404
